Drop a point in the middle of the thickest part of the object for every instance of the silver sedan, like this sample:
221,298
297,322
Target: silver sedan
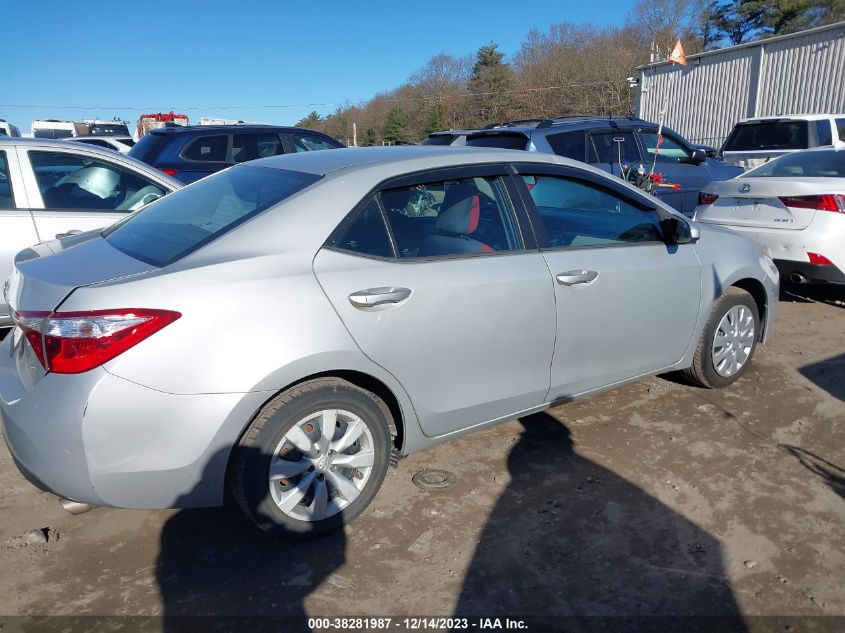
291,326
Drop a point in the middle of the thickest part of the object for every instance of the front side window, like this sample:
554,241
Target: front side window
364,232
192,217
251,146
73,181
576,213
210,149
613,147
451,217
310,142
7,198
671,149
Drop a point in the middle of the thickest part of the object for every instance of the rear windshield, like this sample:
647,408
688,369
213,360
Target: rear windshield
747,137
504,141
146,147
190,218
815,164
440,139
52,133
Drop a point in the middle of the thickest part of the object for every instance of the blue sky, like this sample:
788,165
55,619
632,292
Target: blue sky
102,58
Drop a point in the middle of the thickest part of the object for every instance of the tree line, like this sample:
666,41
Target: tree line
567,69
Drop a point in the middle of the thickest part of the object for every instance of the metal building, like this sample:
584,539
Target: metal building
799,73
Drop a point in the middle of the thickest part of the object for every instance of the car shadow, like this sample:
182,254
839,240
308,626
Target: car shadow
831,474
217,571
572,545
831,294
828,374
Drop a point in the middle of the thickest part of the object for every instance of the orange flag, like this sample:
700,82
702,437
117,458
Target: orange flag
677,55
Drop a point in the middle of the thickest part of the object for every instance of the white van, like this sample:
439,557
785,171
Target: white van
7,129
53,128
755,141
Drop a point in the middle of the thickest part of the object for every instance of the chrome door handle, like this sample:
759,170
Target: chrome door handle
572,277
378,296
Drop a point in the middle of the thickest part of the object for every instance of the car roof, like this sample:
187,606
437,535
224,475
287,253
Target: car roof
571,122
234,128
402,159
799,117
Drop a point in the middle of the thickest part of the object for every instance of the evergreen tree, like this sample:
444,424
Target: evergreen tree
490,82
311,120
370,137
394,127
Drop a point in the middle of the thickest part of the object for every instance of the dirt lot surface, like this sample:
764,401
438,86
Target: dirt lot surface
657,498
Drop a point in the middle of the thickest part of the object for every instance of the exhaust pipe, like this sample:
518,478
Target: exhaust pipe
797,278
74,507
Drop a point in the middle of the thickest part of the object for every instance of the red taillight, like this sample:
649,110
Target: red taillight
74,342
169,172
707,198
819,260
823,202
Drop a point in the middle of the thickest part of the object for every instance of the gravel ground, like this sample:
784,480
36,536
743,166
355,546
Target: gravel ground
657,498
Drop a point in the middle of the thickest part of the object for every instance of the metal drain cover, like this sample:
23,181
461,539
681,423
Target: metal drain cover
434,479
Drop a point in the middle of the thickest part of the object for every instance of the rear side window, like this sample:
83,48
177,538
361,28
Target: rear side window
210,149
575,213
440,139
190,218
613,147
7,198
569,144
310,142
364,232
451,217
775,135
251,146
840,128
824,136
503,141
147,147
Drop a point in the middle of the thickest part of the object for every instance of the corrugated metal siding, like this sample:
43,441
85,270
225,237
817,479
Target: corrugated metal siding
797,74
804,75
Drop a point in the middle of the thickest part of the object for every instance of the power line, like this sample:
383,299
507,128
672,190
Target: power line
319,104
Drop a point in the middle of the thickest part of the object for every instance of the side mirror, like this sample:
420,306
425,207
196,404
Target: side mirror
698,156
678,231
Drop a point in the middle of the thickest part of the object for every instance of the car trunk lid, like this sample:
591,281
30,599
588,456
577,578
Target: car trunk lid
759,202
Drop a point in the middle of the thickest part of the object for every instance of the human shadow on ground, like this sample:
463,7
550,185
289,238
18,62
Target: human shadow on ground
572,546
217,571
828,374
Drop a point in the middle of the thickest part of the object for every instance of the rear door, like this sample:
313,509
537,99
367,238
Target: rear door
73,192
613,149
455,301
627,303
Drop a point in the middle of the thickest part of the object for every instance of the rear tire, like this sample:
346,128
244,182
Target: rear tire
313,459
728,342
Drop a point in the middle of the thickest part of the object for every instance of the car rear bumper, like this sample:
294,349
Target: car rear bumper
805,272
103,440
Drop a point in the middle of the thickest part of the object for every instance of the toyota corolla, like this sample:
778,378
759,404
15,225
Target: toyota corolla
291,326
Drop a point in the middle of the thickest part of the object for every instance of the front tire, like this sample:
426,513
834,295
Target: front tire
728,342
313,459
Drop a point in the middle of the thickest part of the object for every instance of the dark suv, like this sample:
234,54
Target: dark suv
611,143
189,153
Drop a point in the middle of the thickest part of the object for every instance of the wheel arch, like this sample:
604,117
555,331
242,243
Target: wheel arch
758,292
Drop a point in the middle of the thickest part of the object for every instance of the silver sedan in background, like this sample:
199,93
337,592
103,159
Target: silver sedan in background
290,326
793,205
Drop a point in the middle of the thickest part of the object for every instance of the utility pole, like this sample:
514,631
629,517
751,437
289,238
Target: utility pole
354,134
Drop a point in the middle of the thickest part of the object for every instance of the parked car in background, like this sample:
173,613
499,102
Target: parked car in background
147,122
51,189
612,143
7,129
108,128
292,325
754,141
795,206
189,153
54,128
120,144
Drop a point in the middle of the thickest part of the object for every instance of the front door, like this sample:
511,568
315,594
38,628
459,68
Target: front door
627,302
450,301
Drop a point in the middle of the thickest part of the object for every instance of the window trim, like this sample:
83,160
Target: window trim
578,175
